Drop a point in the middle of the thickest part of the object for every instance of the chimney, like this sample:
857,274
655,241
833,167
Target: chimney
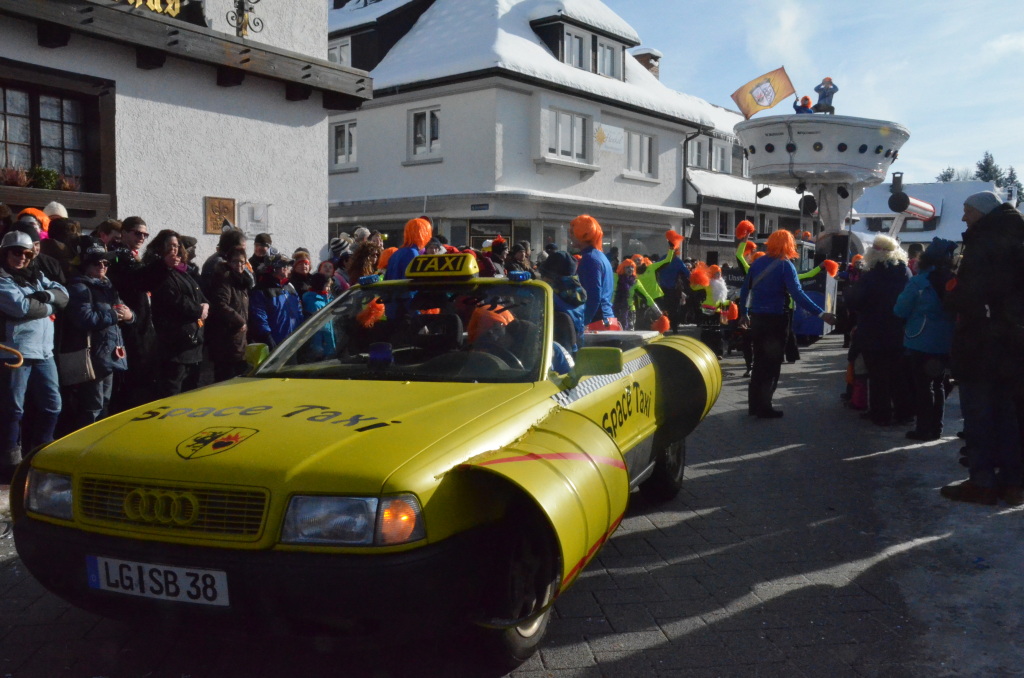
649,58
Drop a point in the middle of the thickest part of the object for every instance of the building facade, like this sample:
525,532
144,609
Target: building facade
159,108
512,118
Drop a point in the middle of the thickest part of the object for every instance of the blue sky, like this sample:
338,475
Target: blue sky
952,72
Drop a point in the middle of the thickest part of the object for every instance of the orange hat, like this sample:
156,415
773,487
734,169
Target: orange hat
418,232
744,229
831,267
38,215
586,230
484,318
382,260
674,239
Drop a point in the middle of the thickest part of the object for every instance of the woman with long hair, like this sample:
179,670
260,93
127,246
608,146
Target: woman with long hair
179,311
365,261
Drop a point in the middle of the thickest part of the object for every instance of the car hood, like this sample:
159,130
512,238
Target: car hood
337,435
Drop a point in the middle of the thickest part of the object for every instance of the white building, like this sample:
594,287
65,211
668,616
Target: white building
875,217
511,117
153,106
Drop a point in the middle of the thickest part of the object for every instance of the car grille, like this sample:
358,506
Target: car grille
223,513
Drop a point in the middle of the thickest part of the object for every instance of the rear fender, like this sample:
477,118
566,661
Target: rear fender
689,383
575,474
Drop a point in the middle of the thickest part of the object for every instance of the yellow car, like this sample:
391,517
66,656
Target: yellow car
409,458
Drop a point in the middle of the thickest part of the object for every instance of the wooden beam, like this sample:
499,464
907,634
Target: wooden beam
118,22
148,58
52,35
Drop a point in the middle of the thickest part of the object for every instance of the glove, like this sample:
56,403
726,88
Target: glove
44,296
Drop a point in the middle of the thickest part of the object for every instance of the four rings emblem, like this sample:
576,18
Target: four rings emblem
162,507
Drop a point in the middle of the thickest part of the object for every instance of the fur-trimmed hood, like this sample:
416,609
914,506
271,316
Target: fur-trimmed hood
884,250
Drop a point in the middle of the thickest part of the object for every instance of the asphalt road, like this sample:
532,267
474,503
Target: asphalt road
815,545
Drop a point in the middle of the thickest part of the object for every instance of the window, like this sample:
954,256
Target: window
705,225
340,52
42,129
607,60
576,52
746,166
697,153
724,221
426,133
343,141
567,135
640,153
720,158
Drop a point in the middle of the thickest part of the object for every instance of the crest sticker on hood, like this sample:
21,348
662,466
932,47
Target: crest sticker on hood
211,441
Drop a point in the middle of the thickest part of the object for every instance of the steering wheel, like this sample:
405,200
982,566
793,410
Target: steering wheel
507,356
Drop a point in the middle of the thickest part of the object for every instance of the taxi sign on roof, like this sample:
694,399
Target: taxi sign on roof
442,266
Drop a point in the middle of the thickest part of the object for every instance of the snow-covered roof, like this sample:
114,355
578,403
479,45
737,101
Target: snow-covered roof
359,13
737,189
639,51
947,198
455,37
589,12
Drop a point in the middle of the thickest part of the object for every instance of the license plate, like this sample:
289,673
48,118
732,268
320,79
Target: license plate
163,582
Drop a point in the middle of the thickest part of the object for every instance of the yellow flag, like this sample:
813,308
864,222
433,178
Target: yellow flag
763,92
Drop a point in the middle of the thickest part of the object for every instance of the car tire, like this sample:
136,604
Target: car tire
526,582
667,478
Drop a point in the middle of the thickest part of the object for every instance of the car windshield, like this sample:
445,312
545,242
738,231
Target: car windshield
463,332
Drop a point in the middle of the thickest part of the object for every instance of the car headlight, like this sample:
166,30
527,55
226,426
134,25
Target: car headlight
353,521
49,494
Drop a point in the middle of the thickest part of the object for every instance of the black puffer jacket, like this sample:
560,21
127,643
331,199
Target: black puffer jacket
988,298
177,307
873,297
91,312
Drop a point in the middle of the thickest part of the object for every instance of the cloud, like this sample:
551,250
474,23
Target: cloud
1005,46
781,33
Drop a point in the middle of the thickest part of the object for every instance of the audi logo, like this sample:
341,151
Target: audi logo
162,507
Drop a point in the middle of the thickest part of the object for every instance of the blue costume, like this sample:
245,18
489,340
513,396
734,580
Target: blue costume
598,279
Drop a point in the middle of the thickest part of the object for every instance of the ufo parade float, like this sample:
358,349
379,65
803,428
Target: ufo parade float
831,159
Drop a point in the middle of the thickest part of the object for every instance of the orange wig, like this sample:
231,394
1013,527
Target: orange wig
756,255
744,229
382,260
418,233
675,240
586,230
627,266
748,248
831,267
781,245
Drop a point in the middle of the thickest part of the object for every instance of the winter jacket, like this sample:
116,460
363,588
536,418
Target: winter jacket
767,285
177,308
988,339
229,314
27,326
399,261
274,311
874,297
90,313
929,327
322,344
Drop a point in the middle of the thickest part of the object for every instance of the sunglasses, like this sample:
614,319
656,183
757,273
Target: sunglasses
23,254
141,235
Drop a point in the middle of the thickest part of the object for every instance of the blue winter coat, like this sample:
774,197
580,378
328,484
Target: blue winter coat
929,327
274,311
598,279
26,322
322,343
91,311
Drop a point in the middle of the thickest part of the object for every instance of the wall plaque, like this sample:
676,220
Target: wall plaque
217,211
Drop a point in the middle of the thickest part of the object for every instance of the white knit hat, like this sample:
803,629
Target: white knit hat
55,209
985,202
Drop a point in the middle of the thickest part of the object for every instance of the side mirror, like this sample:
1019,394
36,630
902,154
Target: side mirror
595,360
256,355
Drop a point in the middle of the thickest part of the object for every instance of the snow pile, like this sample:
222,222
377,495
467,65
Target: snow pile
589,12
359,12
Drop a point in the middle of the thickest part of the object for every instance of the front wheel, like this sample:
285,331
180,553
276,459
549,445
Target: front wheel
526,583
667,478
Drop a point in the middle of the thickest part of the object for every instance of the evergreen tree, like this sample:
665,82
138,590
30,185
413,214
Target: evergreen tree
946,175
1011,181
988,170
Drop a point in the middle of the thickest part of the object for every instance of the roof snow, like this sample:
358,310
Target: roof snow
589,12
639,51
497,34
359,13
738,189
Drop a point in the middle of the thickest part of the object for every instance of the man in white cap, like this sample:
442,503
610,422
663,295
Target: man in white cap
987,296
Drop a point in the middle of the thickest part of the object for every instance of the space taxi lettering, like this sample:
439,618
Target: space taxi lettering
318,414
625,407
